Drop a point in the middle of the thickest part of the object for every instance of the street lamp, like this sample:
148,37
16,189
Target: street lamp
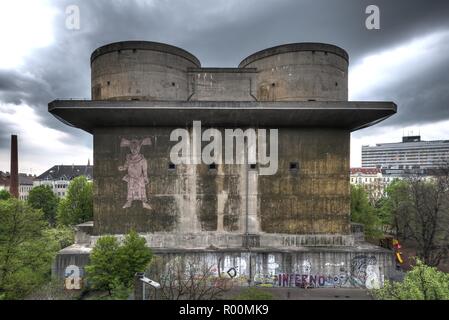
150,282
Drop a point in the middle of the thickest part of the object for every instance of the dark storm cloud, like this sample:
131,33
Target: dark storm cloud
421,99
5,135
222,33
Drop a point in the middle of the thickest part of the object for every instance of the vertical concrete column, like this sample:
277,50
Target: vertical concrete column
253,222
251,176
14,185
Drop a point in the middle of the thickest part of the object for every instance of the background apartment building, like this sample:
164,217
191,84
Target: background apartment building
25,183
411,153
58,177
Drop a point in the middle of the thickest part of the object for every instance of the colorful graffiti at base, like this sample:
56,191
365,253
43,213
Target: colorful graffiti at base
364,273
73,278
268,271
311,281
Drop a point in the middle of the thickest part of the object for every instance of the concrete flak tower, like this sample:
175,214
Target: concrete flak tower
139,70
288,227
300,72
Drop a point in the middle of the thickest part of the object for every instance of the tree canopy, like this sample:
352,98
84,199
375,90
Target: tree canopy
363,212
4,195
420,283
42,197
26,251
113,265
77,206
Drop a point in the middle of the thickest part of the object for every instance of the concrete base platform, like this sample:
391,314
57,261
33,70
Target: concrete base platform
362,265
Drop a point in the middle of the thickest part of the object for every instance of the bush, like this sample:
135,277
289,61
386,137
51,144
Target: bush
112,265
4,195
54,290
62,235
420,283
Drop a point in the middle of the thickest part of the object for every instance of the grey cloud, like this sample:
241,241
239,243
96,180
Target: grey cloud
222,34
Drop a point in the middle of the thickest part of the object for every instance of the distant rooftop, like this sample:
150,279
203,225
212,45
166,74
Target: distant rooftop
67,172
409,141
24,179
365,170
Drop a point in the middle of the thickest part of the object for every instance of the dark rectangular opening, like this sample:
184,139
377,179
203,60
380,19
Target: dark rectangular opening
212,166
293,166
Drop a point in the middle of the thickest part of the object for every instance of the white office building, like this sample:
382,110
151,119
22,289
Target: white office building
411,153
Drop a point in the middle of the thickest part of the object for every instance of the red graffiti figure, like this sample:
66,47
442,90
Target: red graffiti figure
137,177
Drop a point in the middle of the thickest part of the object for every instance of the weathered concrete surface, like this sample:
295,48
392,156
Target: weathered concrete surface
191,198
220,84
362,265
300,71
315,198
227,240
140,70
288,229
353,115
75,255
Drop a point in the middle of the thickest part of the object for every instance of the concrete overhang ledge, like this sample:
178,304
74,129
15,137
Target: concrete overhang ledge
88,114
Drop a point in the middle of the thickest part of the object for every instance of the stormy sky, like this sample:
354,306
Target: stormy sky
406,61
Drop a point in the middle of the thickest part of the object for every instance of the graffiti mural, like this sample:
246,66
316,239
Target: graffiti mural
72,278
265,280
365,272
137,174
270,271
311,280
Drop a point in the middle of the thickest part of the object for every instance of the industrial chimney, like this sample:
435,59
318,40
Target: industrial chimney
14,185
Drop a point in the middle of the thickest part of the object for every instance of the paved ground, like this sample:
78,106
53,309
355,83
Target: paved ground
321,294
316,293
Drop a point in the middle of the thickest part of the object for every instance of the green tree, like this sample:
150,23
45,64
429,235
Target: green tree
26,252
112,265
63,236
42,197
363,212
429,218
102,269
77,206
4,195
394,208
420,283
133,256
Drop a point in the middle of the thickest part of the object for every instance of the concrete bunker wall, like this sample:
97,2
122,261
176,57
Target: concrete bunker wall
300,72
317,268
313,268
311,199
139,70
222,84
